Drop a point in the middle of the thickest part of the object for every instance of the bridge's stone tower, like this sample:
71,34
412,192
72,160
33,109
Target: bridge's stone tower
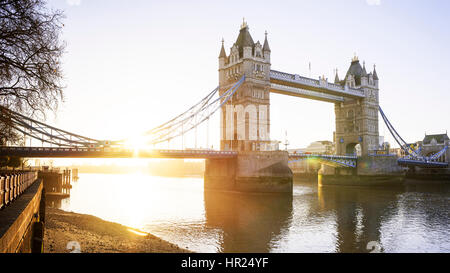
245,119
245,124
357,119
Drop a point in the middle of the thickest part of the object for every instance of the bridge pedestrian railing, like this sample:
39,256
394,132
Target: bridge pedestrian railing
383,155
334,160
13,184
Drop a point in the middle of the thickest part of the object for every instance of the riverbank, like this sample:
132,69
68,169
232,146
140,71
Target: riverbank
95,235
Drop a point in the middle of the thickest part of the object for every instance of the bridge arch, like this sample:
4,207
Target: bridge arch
353,149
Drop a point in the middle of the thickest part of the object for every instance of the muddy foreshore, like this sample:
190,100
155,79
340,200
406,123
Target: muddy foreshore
88,233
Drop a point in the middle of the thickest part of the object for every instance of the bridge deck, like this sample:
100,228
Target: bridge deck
51,152
423,164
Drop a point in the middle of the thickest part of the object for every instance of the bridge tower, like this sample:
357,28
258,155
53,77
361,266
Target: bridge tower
357,119
245,119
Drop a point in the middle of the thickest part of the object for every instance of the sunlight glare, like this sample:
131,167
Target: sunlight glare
137,143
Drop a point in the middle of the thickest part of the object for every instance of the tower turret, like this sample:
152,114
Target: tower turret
336,78
266,49
375,76
354,73
222,56
364,76
245,42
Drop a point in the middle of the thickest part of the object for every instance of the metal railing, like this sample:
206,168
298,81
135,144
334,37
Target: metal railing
339,160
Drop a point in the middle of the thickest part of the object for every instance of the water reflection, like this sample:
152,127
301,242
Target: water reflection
54,202
359,213
415,218
249,222
411,219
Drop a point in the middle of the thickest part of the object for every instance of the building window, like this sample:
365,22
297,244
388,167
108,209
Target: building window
350,114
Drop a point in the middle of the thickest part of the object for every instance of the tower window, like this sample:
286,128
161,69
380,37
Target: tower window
350,114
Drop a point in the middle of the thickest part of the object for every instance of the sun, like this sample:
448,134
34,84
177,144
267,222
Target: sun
137,143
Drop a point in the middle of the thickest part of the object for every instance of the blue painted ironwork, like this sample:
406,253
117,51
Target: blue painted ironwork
413,156
422,163
438,154
333,160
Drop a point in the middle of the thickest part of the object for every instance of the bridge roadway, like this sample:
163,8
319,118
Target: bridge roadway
83,152
299,86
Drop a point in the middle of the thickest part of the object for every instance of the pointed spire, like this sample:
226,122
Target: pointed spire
244,39
364,72
375,76
244,24
266,43
336,78
222,51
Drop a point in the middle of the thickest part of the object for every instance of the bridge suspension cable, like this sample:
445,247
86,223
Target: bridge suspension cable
167,131
400,141
191,118
43,132
410,152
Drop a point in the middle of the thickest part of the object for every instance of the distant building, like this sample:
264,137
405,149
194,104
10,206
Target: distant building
385,146
432,144
320,147
308,166
381,141
316,147
397,151
297,151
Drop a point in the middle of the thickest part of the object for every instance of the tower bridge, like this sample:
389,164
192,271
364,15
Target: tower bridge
245,121
248,160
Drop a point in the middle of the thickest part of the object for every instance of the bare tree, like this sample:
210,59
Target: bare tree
30,53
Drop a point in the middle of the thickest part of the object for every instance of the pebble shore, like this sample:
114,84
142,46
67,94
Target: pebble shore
87,233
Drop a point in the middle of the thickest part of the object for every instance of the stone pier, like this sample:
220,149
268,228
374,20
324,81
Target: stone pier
250,172
370,171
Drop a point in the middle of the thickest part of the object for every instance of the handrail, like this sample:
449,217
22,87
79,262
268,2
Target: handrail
13,184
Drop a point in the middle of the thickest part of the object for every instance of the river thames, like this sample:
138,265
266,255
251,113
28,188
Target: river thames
412,218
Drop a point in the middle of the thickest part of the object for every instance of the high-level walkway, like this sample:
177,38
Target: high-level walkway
299,86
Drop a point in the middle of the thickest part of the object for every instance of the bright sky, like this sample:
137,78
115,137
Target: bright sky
131,65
